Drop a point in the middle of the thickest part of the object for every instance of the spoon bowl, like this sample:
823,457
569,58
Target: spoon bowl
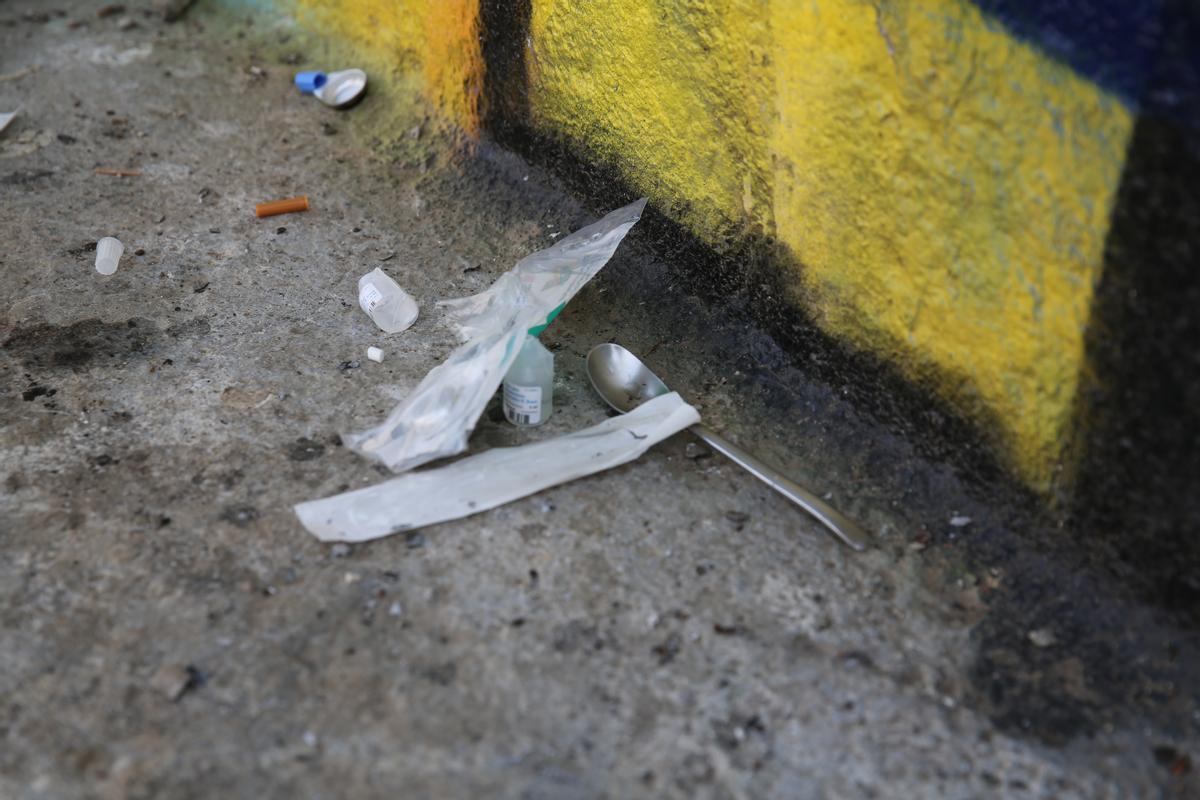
624,382
620,377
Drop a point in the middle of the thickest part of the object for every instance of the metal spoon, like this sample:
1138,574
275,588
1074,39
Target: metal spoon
625,382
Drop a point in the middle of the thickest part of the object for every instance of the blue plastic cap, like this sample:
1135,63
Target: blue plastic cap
309,82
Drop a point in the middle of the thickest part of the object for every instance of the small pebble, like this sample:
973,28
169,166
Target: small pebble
281,230
1042,637
395,609
960,522
737,517
172,680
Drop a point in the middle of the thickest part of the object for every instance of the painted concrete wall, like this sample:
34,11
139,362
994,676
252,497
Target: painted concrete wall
944,188
940,180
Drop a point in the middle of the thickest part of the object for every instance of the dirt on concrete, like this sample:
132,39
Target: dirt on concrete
669,629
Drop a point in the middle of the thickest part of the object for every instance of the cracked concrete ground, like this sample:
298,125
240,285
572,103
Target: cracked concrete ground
670,628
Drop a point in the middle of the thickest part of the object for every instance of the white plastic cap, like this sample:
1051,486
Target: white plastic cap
375,354
108,253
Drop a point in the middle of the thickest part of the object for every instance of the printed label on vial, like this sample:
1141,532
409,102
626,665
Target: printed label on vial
523,404
369,297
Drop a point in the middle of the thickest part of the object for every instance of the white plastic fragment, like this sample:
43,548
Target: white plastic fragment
342,88
5,118
435,420
493,478
108,254
388,306
375,354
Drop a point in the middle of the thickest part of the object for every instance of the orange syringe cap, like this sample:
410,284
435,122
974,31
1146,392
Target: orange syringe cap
282,206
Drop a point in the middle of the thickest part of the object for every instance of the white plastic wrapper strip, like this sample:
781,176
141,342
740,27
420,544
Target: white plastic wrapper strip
436,419
493,478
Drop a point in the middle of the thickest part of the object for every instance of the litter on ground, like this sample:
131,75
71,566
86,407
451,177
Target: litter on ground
495,477
287,206
382,299
435,420
116,172
340,89
108,255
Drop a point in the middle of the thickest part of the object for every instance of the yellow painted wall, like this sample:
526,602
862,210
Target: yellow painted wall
944,188
431,46
674,93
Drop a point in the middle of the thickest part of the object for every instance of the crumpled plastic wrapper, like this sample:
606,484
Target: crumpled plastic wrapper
438,417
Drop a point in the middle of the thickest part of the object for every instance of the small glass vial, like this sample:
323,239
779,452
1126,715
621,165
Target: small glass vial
529,385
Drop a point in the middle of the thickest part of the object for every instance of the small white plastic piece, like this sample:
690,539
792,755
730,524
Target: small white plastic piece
375,354
388,306
494,477
342,88
108,253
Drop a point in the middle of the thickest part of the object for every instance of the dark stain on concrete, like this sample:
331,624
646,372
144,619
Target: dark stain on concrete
81,343
83,249
666,650
25,177
305,449
35,391
241,516
443,674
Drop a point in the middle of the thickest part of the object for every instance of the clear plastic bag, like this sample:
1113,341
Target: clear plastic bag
437,418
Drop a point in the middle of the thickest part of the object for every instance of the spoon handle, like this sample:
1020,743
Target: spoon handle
842,527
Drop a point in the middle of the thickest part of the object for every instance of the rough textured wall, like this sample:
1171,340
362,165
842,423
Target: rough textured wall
435,43
932,184
943,188
677,95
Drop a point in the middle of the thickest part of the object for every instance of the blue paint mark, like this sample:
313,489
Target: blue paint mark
1114,43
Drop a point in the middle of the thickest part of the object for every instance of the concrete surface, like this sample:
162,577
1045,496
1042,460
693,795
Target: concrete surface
669,629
